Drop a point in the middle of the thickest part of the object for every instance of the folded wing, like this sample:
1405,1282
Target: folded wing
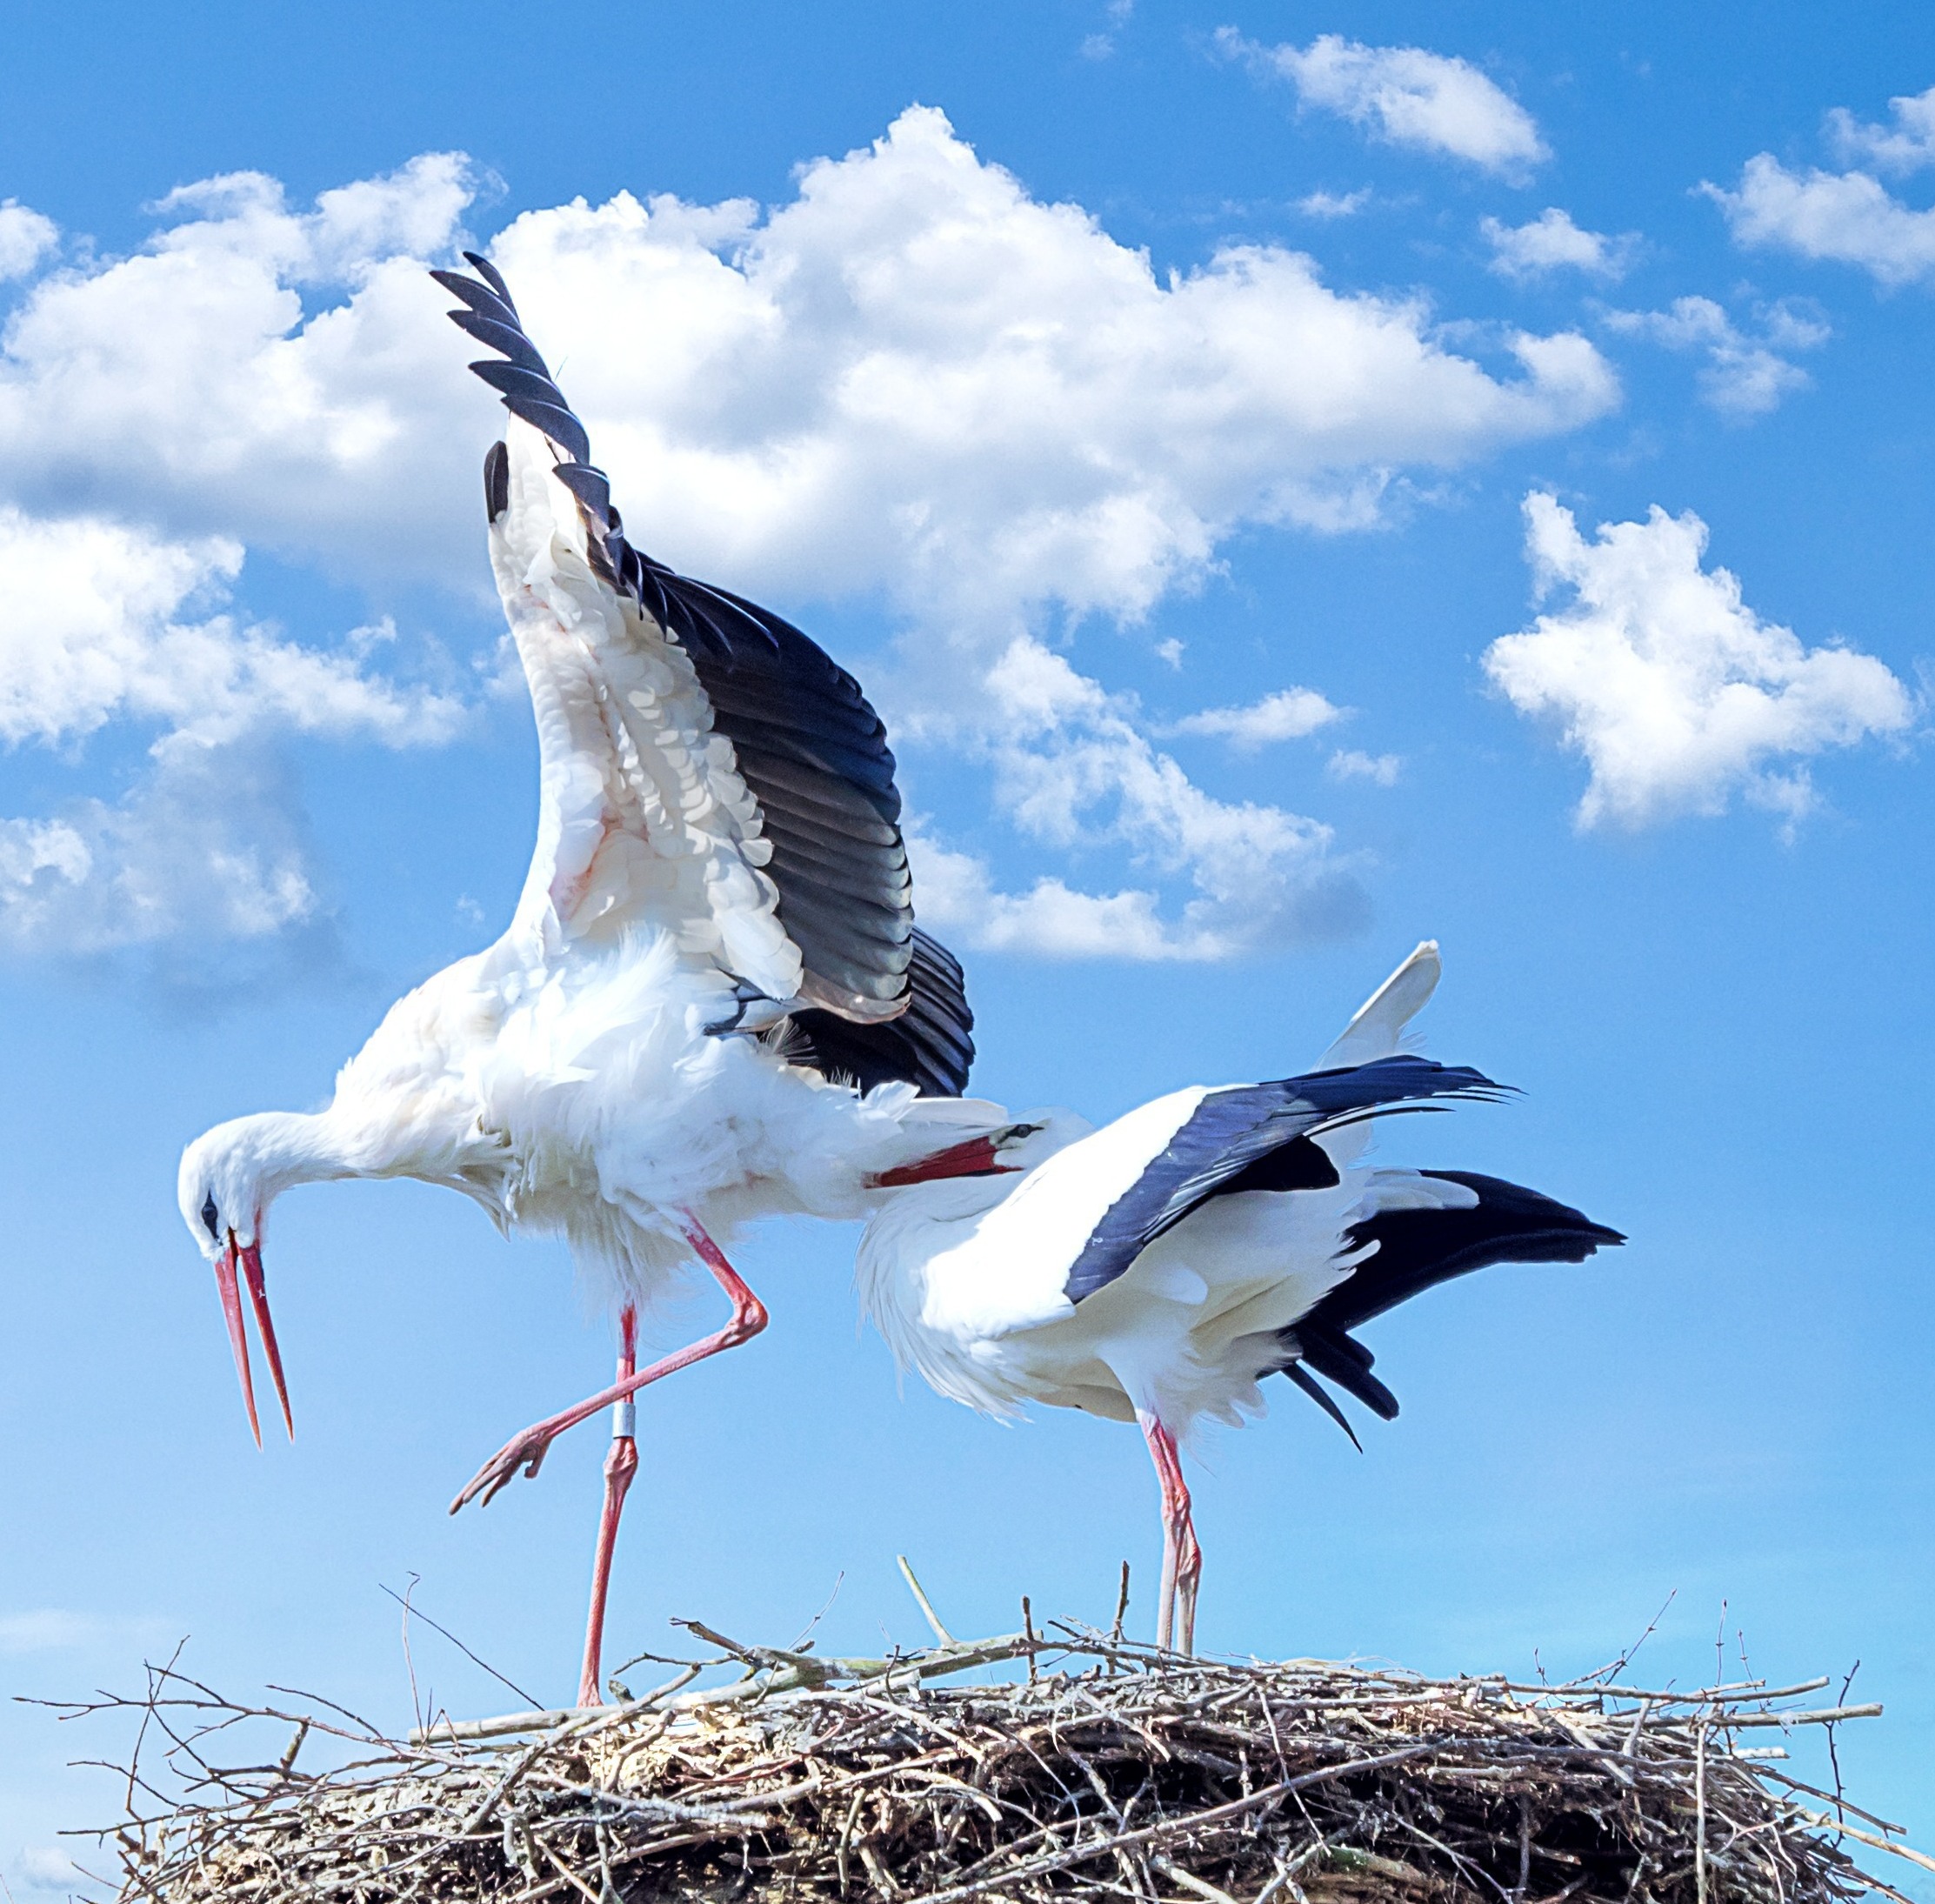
1232,1135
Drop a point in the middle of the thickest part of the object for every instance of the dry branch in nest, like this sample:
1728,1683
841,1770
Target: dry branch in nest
1111,1771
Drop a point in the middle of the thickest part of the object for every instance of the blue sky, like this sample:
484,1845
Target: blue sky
1200,442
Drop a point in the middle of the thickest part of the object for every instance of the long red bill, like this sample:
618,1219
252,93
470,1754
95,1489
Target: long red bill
258,1298
231,1308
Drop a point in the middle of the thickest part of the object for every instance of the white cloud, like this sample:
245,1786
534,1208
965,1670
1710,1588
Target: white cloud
1405,95
1102,45
208,845
1381,770
50,1868
917,376
1328,204
95,628
912,376
1744,375
99,627
912,379
1288,714
1847,217
26,236
1678,694
183,385
1074,771
1551,242
1905,146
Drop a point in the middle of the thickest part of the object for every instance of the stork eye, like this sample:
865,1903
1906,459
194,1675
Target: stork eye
211,1217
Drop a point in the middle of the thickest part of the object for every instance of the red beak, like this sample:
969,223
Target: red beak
977,1158
251,1262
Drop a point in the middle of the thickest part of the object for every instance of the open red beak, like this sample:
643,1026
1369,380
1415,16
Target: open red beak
251,1262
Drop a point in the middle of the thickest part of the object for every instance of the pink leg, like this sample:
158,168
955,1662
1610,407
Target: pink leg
1182,1555
619,1467
527,1450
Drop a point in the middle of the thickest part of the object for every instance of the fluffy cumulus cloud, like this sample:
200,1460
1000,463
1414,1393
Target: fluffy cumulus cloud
916,376
1746,372
105,620
105,623
1677,693
1851,217
26,238
1404,95
912,380
1076,773
1552,243
187,385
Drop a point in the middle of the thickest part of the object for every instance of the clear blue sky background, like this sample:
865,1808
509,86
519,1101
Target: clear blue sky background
1717,1010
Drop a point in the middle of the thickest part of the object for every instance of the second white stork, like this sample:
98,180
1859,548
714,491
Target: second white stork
1156,1270
712,1004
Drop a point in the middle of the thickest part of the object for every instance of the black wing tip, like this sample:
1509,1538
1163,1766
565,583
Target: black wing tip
492,275
1322,1396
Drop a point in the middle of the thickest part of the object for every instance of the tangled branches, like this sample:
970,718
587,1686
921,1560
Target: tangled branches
1110,1771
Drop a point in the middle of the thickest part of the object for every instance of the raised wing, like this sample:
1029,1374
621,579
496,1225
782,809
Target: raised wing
1231,1132
819,813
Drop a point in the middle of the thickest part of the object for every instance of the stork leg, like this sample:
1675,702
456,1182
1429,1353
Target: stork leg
527,1450
620,1465
1182,1554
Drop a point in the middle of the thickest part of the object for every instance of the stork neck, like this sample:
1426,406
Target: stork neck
291,1147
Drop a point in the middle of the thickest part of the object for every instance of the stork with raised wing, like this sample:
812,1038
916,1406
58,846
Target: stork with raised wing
712,1004
1156,1270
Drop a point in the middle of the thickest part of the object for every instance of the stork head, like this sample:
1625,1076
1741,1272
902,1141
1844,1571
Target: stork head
229,1177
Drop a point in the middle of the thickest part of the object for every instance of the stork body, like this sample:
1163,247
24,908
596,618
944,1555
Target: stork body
1158,1270
711,1005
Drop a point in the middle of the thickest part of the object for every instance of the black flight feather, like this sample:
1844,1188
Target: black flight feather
1321,1396
503,337
494,278
930,1045
481,299
1417,1250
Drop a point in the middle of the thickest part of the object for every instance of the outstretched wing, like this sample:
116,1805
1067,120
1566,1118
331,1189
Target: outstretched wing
1230,1136
744,794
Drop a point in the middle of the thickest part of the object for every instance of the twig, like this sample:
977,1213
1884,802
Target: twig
926,1606
453,1638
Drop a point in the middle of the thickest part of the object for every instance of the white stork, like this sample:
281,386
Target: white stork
712,1004
1156,1270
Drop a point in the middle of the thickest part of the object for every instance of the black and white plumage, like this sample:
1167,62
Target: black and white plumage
1157,1270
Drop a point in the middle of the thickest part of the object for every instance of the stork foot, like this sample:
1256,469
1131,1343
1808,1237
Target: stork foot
526,1451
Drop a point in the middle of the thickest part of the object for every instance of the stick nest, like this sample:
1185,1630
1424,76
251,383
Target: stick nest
1108,1771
